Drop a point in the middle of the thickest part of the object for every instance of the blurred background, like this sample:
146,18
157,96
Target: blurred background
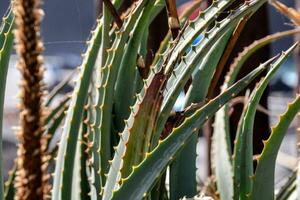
66,27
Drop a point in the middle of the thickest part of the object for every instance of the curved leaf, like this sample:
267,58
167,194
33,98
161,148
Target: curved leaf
221,126
6,43
143,176
183,169
243,152
263,180
192,59
67,148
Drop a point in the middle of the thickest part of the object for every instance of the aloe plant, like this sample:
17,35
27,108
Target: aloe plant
120,134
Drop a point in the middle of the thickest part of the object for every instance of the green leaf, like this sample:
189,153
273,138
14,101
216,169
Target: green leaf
6,42
54,125
131,149
229,80
125,86
57,109
194,29
62,186
251,49
221,160
183,19
137,124
183,169
144,175
196,55
92,117
5,26
107,76
76,186
203,74
84,176
94,160
243,162
57,89
263,180
80,184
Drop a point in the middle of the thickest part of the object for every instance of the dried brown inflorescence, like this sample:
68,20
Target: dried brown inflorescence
32,179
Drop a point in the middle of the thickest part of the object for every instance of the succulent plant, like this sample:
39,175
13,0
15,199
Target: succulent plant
120,134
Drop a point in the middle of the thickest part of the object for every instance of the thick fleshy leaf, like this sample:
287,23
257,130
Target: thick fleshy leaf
67,148
263,179
144,175
183,169
220,158
6,43
243,153
189,62
107,76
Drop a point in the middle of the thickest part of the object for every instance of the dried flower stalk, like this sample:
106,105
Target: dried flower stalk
291,13
173,19
32,179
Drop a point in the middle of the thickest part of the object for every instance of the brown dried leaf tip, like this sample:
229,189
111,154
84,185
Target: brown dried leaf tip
32,179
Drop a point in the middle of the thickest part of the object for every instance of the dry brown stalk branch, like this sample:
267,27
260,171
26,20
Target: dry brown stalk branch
225,56
173,19
113,12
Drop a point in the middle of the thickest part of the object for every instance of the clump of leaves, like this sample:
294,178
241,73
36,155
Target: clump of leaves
120,135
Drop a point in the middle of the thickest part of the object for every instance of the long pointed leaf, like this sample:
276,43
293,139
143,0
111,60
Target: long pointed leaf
223,174
183,170
125,86
196,55
5,51
143,176
243,148
66,154
263,180
106,87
